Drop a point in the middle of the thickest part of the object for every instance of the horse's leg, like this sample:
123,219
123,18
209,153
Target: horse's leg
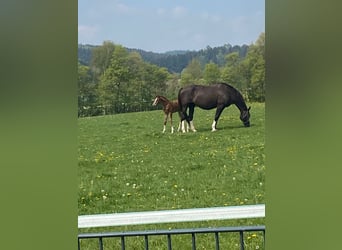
183,116
217,116
165,121
191,117
180,121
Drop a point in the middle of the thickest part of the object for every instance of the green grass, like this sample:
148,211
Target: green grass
127,164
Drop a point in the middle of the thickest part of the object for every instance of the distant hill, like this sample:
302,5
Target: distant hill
175,61
177,52
84,53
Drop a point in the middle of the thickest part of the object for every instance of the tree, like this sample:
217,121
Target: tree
129,83
211,73
100,59
255,61
232,72
87,97
114,79
192,73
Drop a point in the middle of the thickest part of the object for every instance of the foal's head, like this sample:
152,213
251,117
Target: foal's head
244,117
156,100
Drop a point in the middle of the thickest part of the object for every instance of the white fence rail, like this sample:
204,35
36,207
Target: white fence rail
167,216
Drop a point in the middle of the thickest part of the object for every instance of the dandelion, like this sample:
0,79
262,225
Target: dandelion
175,186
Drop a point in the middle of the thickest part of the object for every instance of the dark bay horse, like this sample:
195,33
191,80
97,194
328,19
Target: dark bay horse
169,107
218,96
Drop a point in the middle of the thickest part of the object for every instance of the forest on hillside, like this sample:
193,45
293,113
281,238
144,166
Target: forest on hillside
114,79
174,61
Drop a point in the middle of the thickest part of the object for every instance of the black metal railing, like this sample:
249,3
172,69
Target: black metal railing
169,233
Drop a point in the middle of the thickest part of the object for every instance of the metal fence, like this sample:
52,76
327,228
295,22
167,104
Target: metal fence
183,215
168,233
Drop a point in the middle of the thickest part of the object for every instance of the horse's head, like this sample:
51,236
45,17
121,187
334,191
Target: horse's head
244,117
156,101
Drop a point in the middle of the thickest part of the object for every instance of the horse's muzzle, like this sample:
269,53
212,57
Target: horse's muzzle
246,124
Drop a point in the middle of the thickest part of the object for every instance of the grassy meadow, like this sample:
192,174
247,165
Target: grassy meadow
127,164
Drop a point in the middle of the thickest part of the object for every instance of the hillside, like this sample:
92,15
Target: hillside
174,61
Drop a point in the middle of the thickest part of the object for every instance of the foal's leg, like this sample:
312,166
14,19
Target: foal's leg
191,117
217,116
165,121
171,122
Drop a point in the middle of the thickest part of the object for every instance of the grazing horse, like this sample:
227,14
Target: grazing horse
169,107
218,96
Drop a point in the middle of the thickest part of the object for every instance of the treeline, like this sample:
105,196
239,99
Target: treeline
174,61
113,79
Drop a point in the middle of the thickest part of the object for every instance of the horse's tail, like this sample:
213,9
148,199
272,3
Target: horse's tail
180,104
179,99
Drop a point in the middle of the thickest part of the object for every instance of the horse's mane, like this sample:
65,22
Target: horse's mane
163,98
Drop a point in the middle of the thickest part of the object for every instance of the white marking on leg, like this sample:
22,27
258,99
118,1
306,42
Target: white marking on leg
179,127
172,130
183,128
192,127
213,126
164,129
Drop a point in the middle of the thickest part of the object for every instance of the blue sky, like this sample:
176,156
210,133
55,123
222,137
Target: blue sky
164,25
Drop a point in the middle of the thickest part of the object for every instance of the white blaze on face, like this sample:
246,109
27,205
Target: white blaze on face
155,101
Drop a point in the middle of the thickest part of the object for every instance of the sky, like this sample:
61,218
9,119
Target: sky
166,25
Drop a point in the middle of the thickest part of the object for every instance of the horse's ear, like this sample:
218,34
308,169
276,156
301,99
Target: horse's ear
249,108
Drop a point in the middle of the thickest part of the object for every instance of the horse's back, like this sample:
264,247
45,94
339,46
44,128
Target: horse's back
208,96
